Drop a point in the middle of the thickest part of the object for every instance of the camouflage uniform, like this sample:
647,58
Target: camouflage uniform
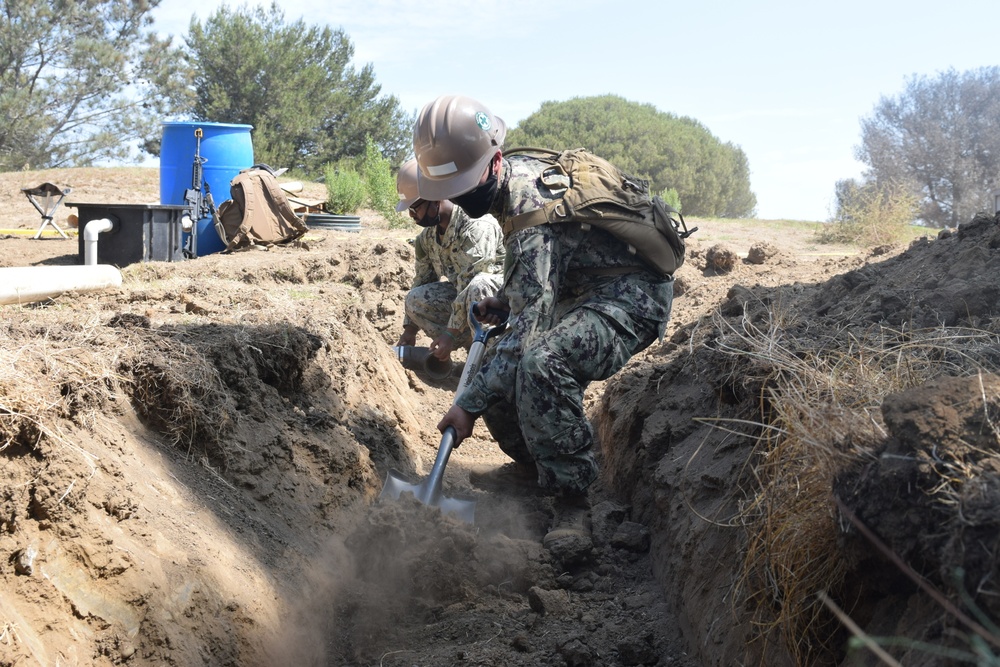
581,306
471,256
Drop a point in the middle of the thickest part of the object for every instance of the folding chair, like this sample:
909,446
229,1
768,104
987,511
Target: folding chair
46,199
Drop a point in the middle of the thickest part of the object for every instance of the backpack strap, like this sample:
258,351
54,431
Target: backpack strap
538,216
534,152
280,205
518,222
242,236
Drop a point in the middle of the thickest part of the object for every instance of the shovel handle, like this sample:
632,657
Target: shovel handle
431,488
478,346
471,366
477,328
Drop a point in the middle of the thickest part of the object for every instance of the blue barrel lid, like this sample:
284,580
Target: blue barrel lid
192,123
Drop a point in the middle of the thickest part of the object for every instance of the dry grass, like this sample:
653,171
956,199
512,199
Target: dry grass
179,393
821,400
52,369
8,634
48,368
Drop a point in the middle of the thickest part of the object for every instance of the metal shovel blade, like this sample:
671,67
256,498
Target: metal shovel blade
428,491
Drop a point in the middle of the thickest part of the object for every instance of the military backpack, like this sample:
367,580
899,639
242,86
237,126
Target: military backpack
258,212
598,194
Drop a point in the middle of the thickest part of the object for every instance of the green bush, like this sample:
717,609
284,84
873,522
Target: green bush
345,189
671,197
380,183
670,151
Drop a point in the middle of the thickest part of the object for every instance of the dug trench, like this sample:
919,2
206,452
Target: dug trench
191,466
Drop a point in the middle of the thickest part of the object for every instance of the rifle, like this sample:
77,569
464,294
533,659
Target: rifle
202,205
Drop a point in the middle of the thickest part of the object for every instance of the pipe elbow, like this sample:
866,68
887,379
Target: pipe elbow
95,227
90,234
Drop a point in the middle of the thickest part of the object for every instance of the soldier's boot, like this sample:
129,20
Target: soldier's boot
569,540
514,478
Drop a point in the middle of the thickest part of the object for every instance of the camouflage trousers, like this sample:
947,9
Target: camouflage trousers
430,307
547,423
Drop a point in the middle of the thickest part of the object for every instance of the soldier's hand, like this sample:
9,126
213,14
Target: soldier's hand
460,420
408,337
442,346
492,310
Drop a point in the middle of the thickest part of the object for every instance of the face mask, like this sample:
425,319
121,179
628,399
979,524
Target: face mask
428,221
477,202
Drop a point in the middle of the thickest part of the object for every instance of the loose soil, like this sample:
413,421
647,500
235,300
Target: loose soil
190,464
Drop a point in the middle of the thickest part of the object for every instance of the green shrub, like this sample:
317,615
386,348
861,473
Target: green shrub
380,183
345,189
672,198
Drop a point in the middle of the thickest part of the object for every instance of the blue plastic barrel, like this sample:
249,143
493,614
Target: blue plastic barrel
225,149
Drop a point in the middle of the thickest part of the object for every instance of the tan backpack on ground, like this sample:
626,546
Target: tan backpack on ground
599,194
258,213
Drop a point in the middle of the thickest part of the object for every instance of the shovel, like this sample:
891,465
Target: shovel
429,491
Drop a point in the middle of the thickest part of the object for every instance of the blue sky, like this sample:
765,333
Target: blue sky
788,82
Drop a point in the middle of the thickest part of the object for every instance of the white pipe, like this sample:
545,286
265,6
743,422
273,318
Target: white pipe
27,284
90,233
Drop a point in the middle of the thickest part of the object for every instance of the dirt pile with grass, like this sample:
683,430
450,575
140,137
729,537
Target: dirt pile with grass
190,464
151,437
844,446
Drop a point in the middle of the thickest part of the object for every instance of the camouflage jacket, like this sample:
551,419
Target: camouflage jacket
552,269
468,247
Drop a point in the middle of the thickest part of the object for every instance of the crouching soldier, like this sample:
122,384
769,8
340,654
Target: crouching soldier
467,252
580,306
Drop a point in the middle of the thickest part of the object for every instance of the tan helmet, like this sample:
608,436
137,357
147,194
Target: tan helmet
406,185
454,139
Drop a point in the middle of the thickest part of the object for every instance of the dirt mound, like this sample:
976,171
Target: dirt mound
151,436
870,397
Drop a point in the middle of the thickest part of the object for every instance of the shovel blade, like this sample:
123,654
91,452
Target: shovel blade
395,486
